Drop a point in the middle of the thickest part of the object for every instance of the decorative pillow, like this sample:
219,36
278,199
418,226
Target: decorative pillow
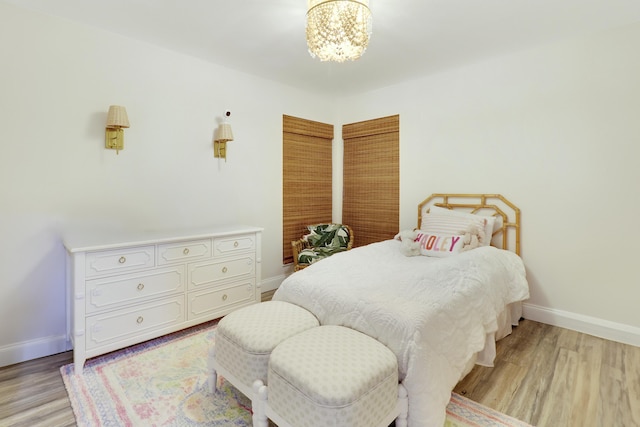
325,240
439,245
436,223
488,227
331,236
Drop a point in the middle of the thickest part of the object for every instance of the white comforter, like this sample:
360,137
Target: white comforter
433,313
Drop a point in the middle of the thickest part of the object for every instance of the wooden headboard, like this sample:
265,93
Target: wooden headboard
507,236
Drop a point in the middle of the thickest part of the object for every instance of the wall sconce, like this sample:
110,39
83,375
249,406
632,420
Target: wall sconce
224,134
114,135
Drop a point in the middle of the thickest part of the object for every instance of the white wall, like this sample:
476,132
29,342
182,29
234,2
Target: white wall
58,80
557,131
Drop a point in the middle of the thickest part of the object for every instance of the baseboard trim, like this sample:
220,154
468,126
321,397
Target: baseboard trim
33,349
272,283
606,329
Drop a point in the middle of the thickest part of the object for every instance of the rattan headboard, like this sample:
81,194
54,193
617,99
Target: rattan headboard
508,214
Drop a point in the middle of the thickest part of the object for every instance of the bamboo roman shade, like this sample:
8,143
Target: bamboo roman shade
371,189
306,178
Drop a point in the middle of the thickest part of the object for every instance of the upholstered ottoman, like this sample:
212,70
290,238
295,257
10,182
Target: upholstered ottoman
245,338
331,376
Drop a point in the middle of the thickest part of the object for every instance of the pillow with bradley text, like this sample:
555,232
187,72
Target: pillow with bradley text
439,245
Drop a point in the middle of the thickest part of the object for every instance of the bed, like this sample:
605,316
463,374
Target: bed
438,312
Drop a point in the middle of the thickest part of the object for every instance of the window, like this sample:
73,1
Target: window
306,178
371,189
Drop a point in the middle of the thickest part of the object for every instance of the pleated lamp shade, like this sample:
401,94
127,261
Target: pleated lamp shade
117,117
224,132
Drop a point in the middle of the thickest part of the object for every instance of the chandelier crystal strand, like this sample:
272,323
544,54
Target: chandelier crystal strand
338,30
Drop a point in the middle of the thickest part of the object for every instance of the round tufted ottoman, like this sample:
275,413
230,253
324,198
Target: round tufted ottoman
331,376
245,338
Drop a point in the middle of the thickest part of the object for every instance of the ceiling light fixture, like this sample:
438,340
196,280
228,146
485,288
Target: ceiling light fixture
338,30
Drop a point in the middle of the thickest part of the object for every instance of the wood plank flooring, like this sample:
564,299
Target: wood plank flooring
549,376
544,375
32,394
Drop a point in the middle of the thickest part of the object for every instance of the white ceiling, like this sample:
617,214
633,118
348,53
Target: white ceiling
410,38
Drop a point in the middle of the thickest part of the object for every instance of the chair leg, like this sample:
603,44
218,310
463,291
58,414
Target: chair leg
403,407
213,375
259,403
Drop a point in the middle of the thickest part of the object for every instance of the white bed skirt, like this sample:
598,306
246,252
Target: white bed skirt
506,320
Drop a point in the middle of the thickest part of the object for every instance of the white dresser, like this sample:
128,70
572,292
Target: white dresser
125,288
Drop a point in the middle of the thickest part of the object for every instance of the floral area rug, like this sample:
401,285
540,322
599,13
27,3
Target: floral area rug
462,412
163,382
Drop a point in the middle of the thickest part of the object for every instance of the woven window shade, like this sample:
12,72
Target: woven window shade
371,188
306,178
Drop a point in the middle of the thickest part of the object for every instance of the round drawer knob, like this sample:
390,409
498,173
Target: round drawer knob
140,286
224,297
186,251
140,319
235,244
122,260
224,269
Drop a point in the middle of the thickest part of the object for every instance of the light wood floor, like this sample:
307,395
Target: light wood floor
549,376
544,375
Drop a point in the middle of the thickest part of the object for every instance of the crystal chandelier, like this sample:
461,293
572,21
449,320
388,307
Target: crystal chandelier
338,30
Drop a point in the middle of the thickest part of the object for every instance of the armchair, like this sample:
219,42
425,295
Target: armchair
322,241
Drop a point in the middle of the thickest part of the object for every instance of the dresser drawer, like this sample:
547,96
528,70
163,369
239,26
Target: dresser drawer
103,329
206,273
220,301
133,288
184,251
120,260
229,245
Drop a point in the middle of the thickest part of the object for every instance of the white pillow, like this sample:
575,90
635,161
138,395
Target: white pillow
488,226
437,223
439,245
